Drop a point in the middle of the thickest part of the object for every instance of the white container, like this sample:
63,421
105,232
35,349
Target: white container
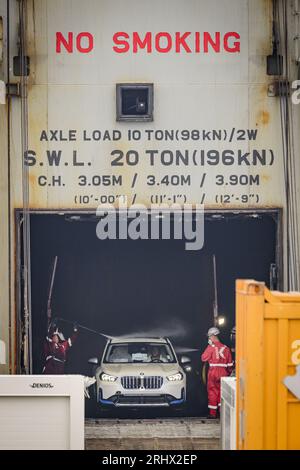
41,412
228,413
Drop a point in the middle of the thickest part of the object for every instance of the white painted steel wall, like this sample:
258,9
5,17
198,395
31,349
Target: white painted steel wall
191,91
213,91
41,412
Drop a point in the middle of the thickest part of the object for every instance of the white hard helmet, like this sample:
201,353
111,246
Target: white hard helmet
213,332
59,334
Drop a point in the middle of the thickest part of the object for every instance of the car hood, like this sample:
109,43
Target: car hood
137,369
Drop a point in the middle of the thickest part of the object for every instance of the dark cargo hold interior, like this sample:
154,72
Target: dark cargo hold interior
144,287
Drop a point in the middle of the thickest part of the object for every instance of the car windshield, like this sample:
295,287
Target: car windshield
139,353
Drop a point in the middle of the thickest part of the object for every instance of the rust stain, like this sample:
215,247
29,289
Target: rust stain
265,177
263,118
264,90
31,178
264,11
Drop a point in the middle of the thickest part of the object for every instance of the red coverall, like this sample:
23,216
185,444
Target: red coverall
220,365
56,355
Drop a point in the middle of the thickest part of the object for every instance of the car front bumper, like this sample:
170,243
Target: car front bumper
141,400
168,394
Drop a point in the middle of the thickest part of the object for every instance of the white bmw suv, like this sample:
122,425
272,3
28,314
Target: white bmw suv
140,372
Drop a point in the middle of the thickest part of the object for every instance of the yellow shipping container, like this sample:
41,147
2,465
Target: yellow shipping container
267,351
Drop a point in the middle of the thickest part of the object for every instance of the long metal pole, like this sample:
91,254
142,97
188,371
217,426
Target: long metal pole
215,307
51,290
82,327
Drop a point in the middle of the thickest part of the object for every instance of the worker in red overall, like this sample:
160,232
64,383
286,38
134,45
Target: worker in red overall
55,350
219,358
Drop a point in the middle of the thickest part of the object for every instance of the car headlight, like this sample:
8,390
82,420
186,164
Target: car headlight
175,377
107,378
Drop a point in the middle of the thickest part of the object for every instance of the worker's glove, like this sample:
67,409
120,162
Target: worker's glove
75,327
